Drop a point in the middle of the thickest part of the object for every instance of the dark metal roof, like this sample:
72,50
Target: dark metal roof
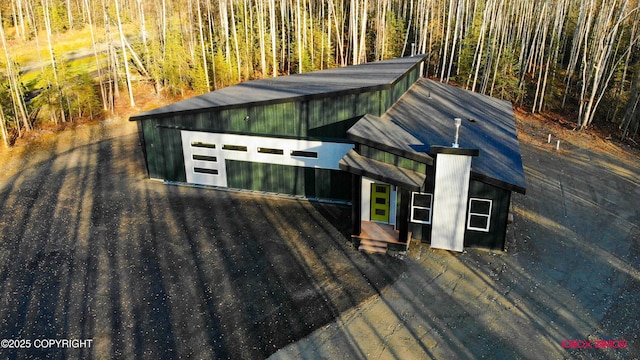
354,78
385,135
424,115
360,165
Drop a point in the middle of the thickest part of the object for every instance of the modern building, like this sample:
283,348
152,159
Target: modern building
378,136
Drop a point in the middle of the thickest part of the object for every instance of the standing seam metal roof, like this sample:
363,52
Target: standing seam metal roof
424,115
380,74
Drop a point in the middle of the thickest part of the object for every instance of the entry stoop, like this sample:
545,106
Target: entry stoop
378,238
372,246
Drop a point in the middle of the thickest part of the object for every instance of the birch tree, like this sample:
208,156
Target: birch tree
235,42
597,61
202,46
54,65
272,31
17,96
103,92
132,102
3,129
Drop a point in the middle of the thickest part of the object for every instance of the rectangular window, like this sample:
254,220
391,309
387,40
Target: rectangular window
421,206
381,189
234,147
479,214
205,171
270,151
309,154
201,144
205,158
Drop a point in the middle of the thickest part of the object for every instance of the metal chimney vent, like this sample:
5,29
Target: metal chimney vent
457,122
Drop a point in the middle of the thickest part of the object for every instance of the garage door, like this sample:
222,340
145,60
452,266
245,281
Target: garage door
205,154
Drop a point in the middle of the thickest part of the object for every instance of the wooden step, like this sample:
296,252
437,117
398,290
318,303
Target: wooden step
373,243
372,249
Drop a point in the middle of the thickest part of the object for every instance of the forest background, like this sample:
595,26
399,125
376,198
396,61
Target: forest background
65,61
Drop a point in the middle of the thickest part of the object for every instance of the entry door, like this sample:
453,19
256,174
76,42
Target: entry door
380,196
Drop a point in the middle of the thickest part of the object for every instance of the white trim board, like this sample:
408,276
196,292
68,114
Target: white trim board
450,201
261,149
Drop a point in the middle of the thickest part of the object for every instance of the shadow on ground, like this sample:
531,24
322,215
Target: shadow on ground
571,272
91,249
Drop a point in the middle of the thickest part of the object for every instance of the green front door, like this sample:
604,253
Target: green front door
380,195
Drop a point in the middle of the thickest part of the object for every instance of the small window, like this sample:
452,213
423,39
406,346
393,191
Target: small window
234,147
309,154
200,144
270,151
205,171
381,201
421,206
205,158
479,214
380,212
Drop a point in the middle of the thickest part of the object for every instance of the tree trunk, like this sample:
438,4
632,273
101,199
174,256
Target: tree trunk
261,38
272,28
452,4
362,49
3,129
299,36
132,102
455,38
21,26
20,108
210,17
353,30
69,15
47,22
103,92
235,42
202,47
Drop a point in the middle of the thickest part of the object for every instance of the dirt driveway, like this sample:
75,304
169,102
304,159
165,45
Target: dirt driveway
93,250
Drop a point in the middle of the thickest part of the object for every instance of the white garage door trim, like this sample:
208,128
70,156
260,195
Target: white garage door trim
205,154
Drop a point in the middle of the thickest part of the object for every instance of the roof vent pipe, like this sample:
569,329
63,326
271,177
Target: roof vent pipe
457,121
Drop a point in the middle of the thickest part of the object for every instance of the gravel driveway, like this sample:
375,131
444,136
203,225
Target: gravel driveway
92,249
568,286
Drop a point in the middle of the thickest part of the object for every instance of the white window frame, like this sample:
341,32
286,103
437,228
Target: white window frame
488,216
430,208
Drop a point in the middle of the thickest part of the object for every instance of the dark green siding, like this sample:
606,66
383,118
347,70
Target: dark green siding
324,117
495,238
153,149
292,180
173,156
164,152
333,130
393,159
